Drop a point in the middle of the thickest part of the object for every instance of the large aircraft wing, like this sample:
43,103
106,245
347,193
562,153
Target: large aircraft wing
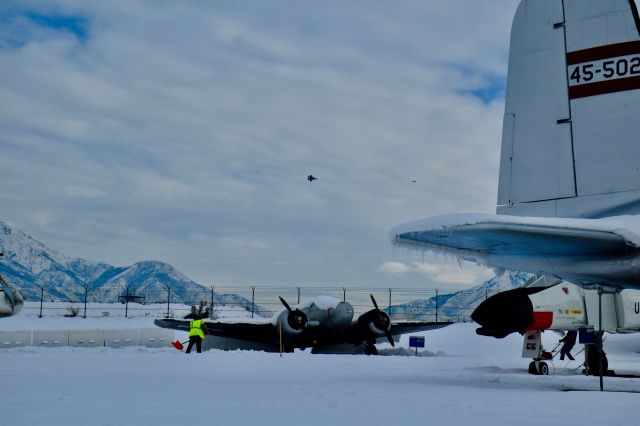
405,327
261,332
533,244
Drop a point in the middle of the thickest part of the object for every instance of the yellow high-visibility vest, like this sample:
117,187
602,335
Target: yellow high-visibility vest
195,328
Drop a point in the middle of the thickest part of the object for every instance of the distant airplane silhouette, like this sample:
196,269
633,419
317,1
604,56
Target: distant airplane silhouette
311,178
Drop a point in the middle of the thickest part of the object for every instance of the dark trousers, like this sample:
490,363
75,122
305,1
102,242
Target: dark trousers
566,350
198,341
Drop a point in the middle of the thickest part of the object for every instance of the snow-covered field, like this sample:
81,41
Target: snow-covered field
476,380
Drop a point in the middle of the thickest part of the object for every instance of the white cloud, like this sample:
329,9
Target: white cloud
393,267
462,275
193,118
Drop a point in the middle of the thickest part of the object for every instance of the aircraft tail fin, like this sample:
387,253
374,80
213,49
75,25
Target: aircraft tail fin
571,132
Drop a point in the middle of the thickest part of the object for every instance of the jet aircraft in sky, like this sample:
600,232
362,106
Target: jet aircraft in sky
322,323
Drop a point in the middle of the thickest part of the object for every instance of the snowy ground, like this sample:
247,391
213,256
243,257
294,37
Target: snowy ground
477,381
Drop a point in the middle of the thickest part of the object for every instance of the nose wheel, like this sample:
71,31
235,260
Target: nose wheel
539,368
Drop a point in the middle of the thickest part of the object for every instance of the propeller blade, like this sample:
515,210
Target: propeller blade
284,302
390,338
374,302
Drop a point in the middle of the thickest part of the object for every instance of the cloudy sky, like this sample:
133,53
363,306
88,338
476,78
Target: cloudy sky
184,132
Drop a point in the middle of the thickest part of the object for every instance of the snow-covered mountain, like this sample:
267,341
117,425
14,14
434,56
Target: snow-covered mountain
31,266
458,305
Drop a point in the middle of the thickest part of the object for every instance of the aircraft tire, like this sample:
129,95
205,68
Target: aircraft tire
532,368
370,349
543,369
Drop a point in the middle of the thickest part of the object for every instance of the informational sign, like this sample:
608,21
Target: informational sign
586,335
532,346
416,341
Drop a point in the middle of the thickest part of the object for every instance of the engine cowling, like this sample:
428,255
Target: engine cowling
376,322
294,321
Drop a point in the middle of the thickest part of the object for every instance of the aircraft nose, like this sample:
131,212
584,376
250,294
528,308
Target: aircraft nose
504,313
11,301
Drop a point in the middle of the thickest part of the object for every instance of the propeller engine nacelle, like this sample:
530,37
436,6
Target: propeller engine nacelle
376,322
293,320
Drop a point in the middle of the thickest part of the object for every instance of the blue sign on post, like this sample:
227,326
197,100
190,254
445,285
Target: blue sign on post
586,335
416,342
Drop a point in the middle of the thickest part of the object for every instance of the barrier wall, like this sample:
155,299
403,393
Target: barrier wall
86,338
13,339
50,338
121,338
156,337
149,337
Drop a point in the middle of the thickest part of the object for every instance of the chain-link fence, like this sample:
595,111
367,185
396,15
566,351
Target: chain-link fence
263,301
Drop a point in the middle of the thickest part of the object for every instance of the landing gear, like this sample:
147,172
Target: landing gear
592,362
370,349
539,368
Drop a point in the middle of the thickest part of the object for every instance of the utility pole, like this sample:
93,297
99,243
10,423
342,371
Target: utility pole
436,305
344,294
298,288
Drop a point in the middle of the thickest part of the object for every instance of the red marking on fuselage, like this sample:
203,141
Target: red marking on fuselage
540,321
566,290
603,52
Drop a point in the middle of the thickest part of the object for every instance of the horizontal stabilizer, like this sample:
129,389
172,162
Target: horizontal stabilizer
545,245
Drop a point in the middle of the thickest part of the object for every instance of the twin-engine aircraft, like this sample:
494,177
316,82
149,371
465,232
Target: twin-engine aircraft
322,323
569,185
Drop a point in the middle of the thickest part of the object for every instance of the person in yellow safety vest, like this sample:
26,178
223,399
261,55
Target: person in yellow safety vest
197,331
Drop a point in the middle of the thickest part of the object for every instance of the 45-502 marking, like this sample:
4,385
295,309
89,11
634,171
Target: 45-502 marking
603,70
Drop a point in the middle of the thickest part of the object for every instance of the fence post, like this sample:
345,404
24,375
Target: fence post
41,297
253,298
168,298
436,305
86,290
126,302
211,307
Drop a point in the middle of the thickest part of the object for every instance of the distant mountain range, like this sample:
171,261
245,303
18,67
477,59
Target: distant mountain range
31,266
458,305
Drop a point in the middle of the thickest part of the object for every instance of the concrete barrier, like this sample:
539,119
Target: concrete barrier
149,337
50,338
13,339
121,338
156,337
86,338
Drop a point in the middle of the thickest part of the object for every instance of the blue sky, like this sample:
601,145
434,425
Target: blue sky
184,132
